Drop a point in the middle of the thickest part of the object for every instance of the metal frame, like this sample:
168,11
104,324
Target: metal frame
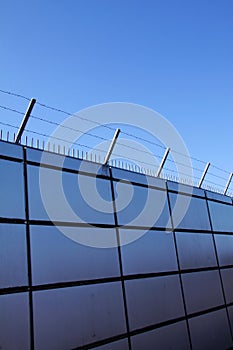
203,175
108,155
25,120
228,184
163,162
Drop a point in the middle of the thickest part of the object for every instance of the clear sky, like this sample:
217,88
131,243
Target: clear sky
174,56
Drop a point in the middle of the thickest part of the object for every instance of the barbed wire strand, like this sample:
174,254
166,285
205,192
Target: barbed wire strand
97,123
97,136
14,94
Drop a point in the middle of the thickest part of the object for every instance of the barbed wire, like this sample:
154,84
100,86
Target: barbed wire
100,137
96,136
11,110
102,125
186,180
14,94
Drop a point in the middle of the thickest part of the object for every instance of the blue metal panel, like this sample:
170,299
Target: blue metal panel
227,278
171,337
218,197
138,178
119,345
11,189
153,300
11,150
195,250
66,202
153,252
181,188
224,244
14,321
55,258
13,256
221,216
191,212
70,317
210,331
202,290
58,160
141,206
230,312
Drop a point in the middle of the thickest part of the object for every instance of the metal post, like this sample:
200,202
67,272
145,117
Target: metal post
228,184
108,155
25,120
163,162
203,175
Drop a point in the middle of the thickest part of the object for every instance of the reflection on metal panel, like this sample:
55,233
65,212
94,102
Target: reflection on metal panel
71,317
202,290
153,252
13,256
195,250
153,300
14,321
11,189
171,337
55,258
210,331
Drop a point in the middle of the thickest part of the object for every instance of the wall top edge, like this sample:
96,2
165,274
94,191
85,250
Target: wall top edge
35,155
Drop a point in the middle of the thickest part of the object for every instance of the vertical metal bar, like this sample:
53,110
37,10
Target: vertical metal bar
203,175
25,120
108,155
228,184
163,162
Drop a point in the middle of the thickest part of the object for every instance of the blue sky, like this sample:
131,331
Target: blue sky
174,56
